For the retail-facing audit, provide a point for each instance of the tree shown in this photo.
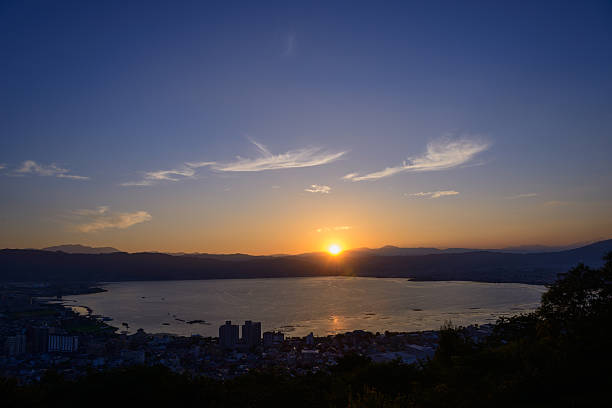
(580, 299)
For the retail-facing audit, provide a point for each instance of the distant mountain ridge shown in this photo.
(81, 249)
(387, 250)
(223, 257)
(20, 265)
(390, 250)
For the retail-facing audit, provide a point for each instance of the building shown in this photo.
(16, 345)
(271, 339)
(62, 343)
(251, 334)
(38, 339)
(228, 335)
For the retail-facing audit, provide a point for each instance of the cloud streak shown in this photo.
(433, 194)
(305, 157)
(152, 177)
(317, 188)
(50, 170)
(525, 195)
(102, 218)
(440, 155)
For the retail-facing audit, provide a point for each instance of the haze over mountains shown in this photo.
(487, 266)
(387, 250)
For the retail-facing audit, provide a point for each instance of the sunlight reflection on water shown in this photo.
(298, 306)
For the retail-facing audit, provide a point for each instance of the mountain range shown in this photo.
(388, 250)
(19, 265)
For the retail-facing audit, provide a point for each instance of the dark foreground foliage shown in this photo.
(559, 356)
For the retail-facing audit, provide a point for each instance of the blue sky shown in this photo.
(503, 107)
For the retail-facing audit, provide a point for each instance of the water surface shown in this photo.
(297, 306)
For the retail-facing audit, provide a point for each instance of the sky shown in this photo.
(280, 127)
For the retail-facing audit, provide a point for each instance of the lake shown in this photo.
(297, 306)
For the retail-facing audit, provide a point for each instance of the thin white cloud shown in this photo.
(196, 165)
(50, 170)
(433, 194)
(152, 177)
(525, 195)
(2, 166)
(350, 176)
(139, 183)
(440, 155)
(170, 175)
(338, 228)
(72, 177)
(102, 218)
(317, 188)
(305, 157)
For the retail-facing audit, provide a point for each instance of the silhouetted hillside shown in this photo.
(34, 265)
(81, 249)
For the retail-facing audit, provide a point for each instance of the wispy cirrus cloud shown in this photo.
(524, 195)
(49, 170)
(197, 165)
(305, 157)
(102, 218)
(2, 166)
(152, 177)
(350, 176)
(440, 155)
(338, 228)
(317, 188)
(433, 194)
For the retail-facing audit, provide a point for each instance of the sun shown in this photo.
(334, 249)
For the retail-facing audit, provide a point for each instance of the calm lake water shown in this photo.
(298, 306)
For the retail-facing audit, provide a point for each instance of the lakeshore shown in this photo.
(27, 313)
(298, 306)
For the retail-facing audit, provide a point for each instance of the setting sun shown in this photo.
(334, 249)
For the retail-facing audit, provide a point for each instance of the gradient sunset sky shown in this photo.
(272, 127)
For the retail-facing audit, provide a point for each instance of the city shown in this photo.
(39, 335)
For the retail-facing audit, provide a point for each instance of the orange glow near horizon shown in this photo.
(334, 249)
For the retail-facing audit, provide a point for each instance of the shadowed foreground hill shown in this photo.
(33, 265)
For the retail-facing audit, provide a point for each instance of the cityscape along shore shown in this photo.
(40, 334)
